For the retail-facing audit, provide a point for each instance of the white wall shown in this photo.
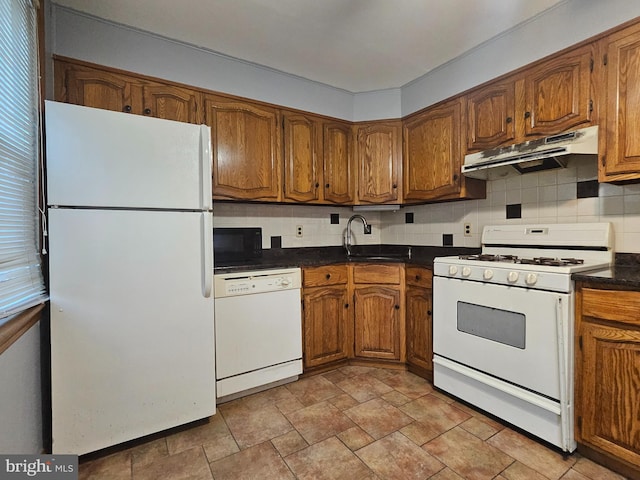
(20, 404)
(567, 24)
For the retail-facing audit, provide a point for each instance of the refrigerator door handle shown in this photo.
(206, 160)
(206, 226)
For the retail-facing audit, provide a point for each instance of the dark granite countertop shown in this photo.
(624, 273)
(317, 256)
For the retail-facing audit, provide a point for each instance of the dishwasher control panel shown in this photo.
(254, 282)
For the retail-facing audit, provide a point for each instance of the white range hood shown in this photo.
(533, 156)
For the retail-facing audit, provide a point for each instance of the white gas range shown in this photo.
(503, 322)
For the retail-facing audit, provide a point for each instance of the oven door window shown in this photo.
(502, 326)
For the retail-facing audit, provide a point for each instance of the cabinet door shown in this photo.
(302, 152)
(98, 89)
(326, 316)
(610, 392)
(377, 322)
(338, 162)
(622, 160)
(378, 160)
(490, 116)
(246, 149)
(558, 93)
(432, 153)
(419, 327)
(172, 103)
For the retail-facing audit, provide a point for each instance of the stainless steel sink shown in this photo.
(379, 257)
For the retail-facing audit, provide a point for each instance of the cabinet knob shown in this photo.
(147, 111)
(346, 305)
(509, 119)
(527, 114)
(429, 312)
(127, 108)
(328, 275)
(417, 277)
(394, 185)
(326, 185)
(397, 307)
(317, 184)
(455, 177)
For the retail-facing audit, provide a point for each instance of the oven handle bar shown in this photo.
(507, 388)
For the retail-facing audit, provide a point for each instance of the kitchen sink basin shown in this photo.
(378, 256)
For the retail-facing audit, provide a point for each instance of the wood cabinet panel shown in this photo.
(172, 103)
(432, 153)
(418, 276)
(325, 275)
(558, 93)
(302, 157)
(326, 320)
(379, 165)
(607, 388)
(338, 151)
(622, 156)
(419, 327)
(378, 273)
(377, 322)
(246, 149)
(491, 113)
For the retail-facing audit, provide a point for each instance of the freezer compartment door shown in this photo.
(100, 158)
(132, 332)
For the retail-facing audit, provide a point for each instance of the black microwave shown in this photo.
(236, 245)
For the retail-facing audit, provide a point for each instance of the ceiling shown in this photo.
(355, 45)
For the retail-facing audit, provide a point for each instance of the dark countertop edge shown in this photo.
(624, 273)
(317, 256)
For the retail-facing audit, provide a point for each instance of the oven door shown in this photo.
(516, 334)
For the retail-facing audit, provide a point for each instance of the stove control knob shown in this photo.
(466, 271)
(512, 277)
(531, 279)
(488, 274)
(453, 269)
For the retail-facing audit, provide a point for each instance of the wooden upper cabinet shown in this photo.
(338, 172)
(622, 154)
(491, 113)
(109, 90)
(246, 149)
(302, 157)
(378, 147)
(172, 103)
(432, 153)
(97, 88)
(558, 93)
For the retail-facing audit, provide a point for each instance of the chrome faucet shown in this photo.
(347, 235)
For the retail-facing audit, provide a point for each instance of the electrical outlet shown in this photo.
(299, 231)
(467, 229)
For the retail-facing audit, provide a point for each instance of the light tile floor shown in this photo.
(351, 423)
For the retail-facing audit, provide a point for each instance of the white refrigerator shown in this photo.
(131, 275)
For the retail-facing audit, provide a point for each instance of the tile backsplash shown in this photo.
(565, 195)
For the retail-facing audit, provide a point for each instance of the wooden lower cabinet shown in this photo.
(378, 311)
(353, 312)
(419, 320)
(608, 376)
(326, 315)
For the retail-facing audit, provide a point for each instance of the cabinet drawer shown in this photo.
(377, 273)
(325, 275)
(419, 277)
(615, 305)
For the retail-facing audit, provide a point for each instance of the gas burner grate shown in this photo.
(487, 257)
(550, 261)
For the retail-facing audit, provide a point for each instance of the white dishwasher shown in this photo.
(258, 329)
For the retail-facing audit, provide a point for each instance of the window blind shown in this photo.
(21, 280)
